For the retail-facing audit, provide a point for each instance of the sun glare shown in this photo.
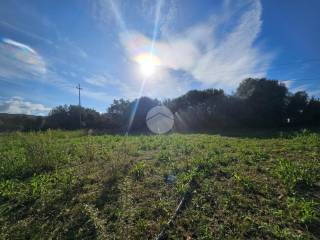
(148, 64)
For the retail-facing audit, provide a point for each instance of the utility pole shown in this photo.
(79, 88)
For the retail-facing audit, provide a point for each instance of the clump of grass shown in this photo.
(98, 223)
(293, 174)
(246, 182)
(30, 154)
(204, 165)
(183, 181)
(14, 190)
(279, 232)
(164, 156)
(52, 186)
(138, 170)
(305, 211)
(40, 156)
(90, 148)
(13, 163)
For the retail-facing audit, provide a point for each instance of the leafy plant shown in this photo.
(138, 170)
(293, 174)
(307, 211)
(246, 182)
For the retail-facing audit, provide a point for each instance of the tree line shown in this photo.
(256, 103)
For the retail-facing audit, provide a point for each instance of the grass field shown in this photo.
(68, 185)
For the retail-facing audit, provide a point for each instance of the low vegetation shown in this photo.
(70, 185)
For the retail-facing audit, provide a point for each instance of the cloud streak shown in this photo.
(30, 34)
(20, 61)
(102, 80)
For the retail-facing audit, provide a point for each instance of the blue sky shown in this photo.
(48, 47)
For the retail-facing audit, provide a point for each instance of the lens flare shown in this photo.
(148, 64)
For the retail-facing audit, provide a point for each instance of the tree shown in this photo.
(131, 115)
(67, 117)
(296, 108)
(198, 110)
(312, 113)
(139, 109)
(266, 100)
(119, 113)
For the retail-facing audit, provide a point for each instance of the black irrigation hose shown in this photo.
(193, 184)
(183, 202)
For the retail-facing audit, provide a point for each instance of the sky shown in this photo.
(158, 48)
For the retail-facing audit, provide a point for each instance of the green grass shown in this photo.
(68, 185)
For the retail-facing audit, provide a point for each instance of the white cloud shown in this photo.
(18, 106)
(234, 57)
(213, 57)
(18, 45)
(65, 44)
(288, 83)
(162, 12)
(165, 85)
(102, 80)
(219, 52)
(106, 81)
(294, 87)
(161, 85)
(303, 87)
(20, 61)
(100, 96)
(97, 80)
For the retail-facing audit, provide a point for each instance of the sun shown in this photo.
(148, 64)
(147, 69)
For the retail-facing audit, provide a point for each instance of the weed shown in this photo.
(138, 170)
(246, 182)
(293, 174)
(164, 156)
(305, 211)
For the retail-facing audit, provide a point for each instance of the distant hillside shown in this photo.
(14, 115)
(22, 122)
